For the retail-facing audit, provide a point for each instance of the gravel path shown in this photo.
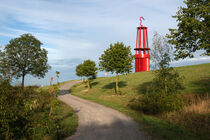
(97, 122)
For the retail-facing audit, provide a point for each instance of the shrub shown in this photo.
(155, 103)
(135, 104)
(25, 115)
(15, 113)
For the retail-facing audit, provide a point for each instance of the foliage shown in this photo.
(193, 29)
(25, 55)
(79, 70)
(118, 58)
(160, 48)
(56, 89)
(53, 101)
(90, 70)
(194, 116)
(57, 75)
(15, 113)
(25, 116)
(155, 103)
(5, 73)
(87, 68)
(166, 80)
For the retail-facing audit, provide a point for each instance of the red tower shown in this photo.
(142, 57)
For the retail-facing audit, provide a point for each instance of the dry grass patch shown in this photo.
(202, 106)
(195, 117)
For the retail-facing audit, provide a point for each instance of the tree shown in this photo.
(193, 29)
(166, 80)
(160, 48)
(57, 75)
(25, 55)
(5, 73)
(117, 59)
(80, 71)
(89, 69)
(162, 95)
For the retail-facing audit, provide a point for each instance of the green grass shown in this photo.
(196, 81)
(68, 119)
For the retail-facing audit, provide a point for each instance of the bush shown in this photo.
(15, 113)
(25, 115)
(155, 103)
(167, 81)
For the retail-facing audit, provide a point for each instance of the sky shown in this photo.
(75, 30)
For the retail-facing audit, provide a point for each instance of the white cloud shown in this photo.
(83, 29)
(191, 61)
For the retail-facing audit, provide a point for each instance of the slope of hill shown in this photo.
(196, 82)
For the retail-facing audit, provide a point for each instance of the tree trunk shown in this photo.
(7, 133)
(165, 86)
(88, 83)
(23, 78)
(83, 79)
(117, 79)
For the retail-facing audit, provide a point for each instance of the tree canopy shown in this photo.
(87, 68)
(193, 29)
(117, 59)
(25, 55)
(160, 48)
(79, 70)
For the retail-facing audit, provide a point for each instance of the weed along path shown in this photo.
(97, 122)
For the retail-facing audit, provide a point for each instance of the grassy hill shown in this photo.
(132, 86)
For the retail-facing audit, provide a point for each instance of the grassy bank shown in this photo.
(33, 114)
(62, 124)
(132, 86)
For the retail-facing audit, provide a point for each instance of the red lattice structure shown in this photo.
(142, 57)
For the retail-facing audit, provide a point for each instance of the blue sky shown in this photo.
(75, 30)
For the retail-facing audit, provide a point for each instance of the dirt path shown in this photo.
(97, 122)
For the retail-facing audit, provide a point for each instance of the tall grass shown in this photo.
(195, 117)
(199, 106)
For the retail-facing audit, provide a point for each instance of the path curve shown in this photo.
(97, 122)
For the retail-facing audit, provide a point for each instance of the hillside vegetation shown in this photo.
(190, 123)
(26, 115)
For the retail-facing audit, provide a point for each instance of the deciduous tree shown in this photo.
(166, 80)
(80, 71)
(25, 55)
(89, 70)
(57, 75)
(117, 59)
(160, 47)
(193, 29)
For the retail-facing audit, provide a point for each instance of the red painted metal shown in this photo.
(142, 57)
(141, 20)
